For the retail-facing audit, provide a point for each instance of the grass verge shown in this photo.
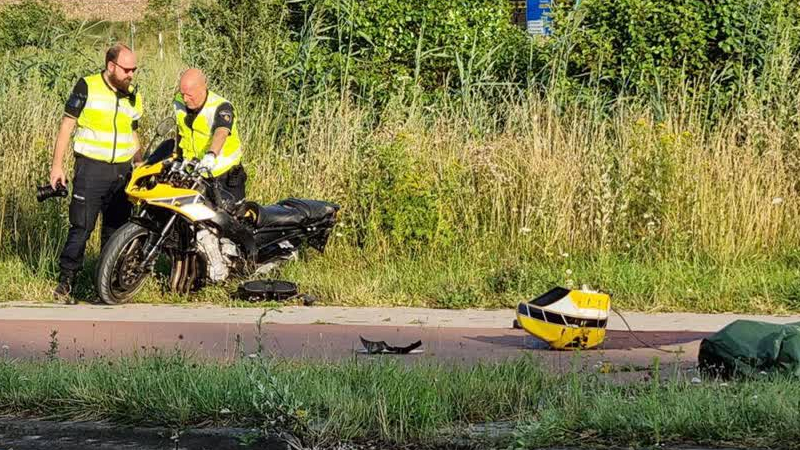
(387, 401)
(346, 277)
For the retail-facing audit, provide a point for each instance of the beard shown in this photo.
(120, 84)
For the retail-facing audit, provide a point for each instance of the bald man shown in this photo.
(106, 111)
(207, 130)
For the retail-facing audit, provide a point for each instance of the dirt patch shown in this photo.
(111, 10)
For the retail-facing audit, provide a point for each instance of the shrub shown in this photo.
(642, 45)
(31, 23)
(364, 47)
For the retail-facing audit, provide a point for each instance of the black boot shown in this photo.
(64, 288)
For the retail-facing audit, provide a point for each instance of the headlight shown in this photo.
(147, 183)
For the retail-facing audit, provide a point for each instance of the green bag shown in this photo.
(747, 347)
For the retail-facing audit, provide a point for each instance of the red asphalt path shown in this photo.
(87, 339)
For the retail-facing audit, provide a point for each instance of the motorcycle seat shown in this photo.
(315, 210)
(291, 212)
(278, 216)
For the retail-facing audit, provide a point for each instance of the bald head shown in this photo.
(194, 88)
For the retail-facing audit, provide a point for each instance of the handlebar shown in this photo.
(181, 171)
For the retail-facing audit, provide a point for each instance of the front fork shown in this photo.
(185, 270)
(152, 251)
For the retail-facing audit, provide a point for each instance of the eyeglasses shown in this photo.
(126, 69)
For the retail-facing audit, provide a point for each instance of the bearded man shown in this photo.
(106, 112)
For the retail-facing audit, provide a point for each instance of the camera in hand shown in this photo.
(46, 191)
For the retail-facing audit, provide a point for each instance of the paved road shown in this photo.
(333, 333)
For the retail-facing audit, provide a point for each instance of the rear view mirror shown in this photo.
(165, 126)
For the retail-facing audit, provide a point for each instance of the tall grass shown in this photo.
(483, 198)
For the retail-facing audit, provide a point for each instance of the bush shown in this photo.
(364, 47)
(642, 45)
(396, 197)
(31, 23)
(425, 40)
(40, 43)
(378, 48)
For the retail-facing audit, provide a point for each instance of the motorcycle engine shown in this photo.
(218, 252)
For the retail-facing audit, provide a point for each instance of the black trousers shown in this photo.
(98, 188)
(234, 181)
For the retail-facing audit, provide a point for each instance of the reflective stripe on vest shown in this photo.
(196, 141)
(105, 125)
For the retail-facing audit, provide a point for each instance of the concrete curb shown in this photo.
(394, 317)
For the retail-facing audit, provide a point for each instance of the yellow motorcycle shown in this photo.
(181, 212)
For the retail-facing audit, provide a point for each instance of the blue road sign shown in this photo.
(538, 17)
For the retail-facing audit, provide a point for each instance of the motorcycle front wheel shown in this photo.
(119, 272)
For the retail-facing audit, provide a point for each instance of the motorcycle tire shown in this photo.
(116, 282)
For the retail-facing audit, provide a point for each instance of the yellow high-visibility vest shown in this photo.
(105, 126)
(196, 140)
